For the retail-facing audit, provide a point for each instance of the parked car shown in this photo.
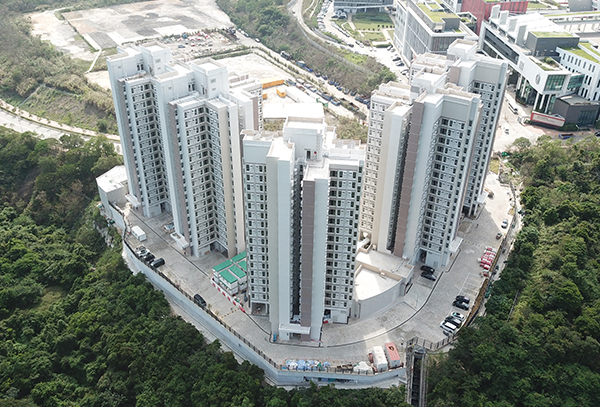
(461, 305)
(457, 315)
(462, 298)
(428, 276)
(199, 300)
(141, 251)
(158, 262)
(453, 320)
(448, 328)
(504, 223)
(148, 257)
(427, 269)
(498, 235)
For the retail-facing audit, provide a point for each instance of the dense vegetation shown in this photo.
(47, 82)
(77, 328)
(270, 20)
(546, 352)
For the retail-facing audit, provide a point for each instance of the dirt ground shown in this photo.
(60, 34)
(112, 26)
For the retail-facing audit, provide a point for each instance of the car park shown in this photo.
(427, 269)
(504, 223)
(461, 305)
(462, 298)
(428, 276)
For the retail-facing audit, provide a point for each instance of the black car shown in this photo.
(158, 262)
(148, 257)
(427, 269)
(453, 320)
(199, 300)
(461, 305)
(462, 298)
(428, 276)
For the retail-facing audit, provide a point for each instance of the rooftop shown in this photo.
(435, 11)
(581, 53)
(551, 34)
(112, 179)
(227, 276)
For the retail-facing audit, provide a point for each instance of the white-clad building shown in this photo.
(428, 149)
(302, 192)
(180, 126)
(583, 59)
(427, 26)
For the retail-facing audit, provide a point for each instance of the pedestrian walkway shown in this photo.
(51, 123)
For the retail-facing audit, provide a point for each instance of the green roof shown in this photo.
(551, 34)
(227, 276)
(595, 57)
(243, 265)
(237, 271)
(435, 16)
(239, 257)
(223, 265)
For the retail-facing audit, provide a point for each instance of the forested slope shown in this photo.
(77, 328)
(547, 352)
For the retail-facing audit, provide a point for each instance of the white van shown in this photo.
(448, 327)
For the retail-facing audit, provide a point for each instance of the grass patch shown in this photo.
(495, 165)
(373, 36)
(50, 295)
(371, 20)
(536, 6)
(355, 58)
(68, 108)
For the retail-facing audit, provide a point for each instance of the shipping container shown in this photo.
(269, 83)
(379, 359)
(547, 120)
(138, 233)
(392, 355)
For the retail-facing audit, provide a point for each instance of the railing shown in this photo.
(432, 346)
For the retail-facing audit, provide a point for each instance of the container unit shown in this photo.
(229, 282)
(269, 83)
(379, 360)
(392, 354)
(242, 279)
(138, 233)
(222, 266)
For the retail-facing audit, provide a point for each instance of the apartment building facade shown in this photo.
(428, 148)
(180, 126)
(302, 203)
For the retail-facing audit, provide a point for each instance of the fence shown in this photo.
(432, 346)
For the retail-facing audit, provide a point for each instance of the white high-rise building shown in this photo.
(302, 197)
(180, 130)
(428, 151)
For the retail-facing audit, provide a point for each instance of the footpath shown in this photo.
(22, 114)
